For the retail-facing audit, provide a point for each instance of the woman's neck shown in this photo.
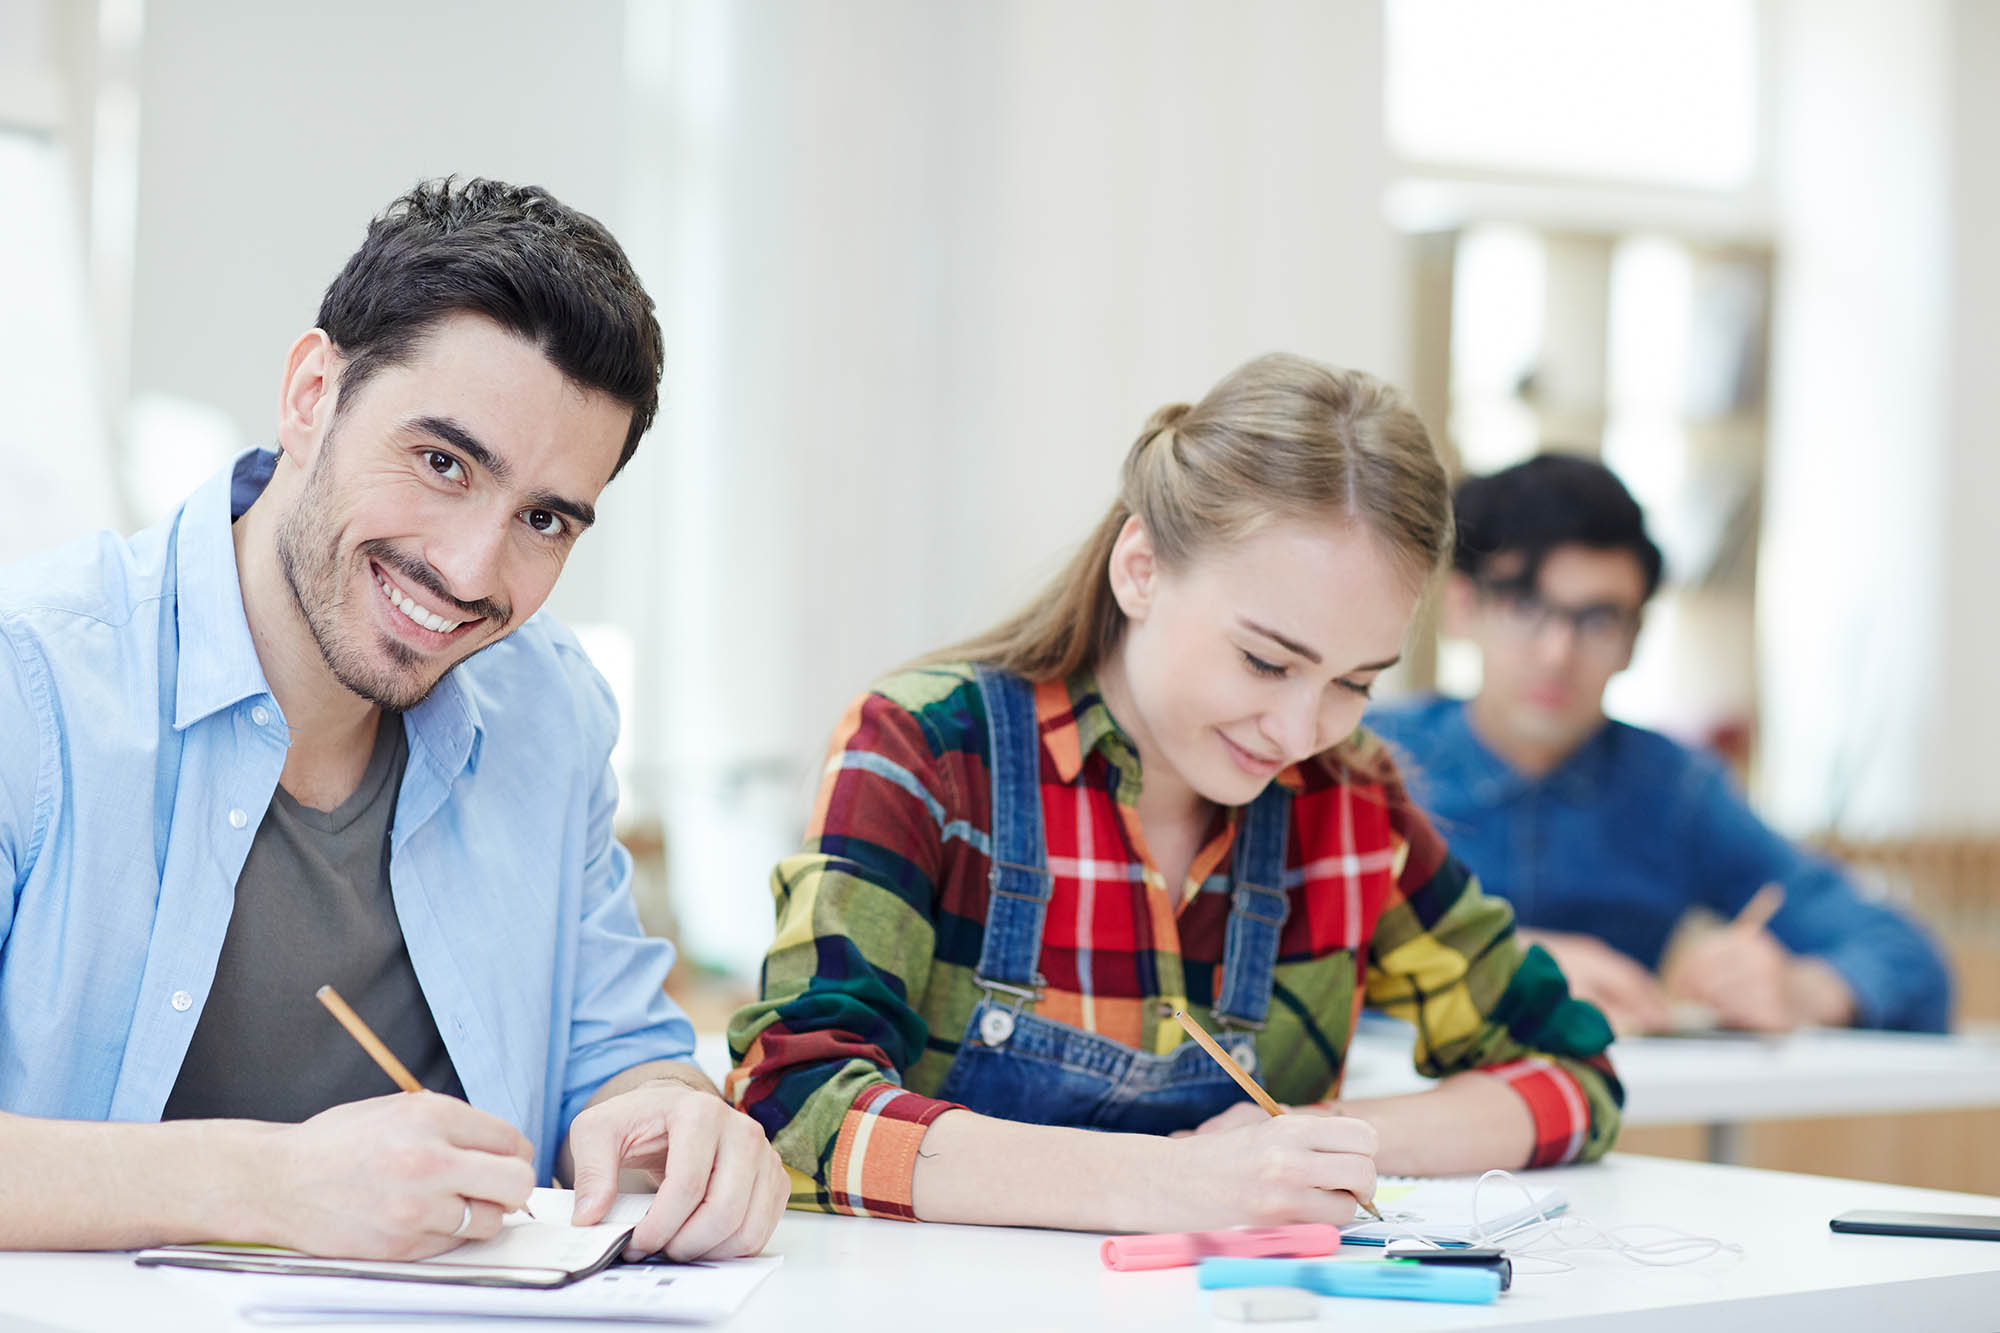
(1165, 798)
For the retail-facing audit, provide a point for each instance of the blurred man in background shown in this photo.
(1604, 835)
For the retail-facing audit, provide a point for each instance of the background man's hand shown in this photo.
(1627, 993)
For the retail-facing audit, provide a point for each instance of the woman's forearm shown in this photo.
(1468, 1122)
(974, 1168)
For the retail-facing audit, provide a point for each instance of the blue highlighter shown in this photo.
(1356, 1277)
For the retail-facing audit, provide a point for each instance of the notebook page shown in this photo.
(542, 1237)
(535, 1247)
(1441, 1208)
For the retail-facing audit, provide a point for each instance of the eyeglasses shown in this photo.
(1601, 628)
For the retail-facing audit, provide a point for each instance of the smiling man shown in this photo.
(312, 730)
(1604, 835)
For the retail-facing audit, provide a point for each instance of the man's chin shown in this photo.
(390, 691)
(1556, 731)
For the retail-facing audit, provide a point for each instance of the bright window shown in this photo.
(1655, 91)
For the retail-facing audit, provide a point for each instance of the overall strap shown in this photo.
(1020, 883)
(1257, 910)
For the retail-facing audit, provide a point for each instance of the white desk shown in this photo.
(1726, 1082)
(844, 1273)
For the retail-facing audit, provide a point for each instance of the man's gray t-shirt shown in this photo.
(312, 907)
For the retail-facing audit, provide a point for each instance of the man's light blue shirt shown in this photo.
(1625, 835)
(139, 747)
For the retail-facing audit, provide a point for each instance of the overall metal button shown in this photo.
(995, 1026)
(1246, 1055)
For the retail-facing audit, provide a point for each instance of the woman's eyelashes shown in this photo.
(1273, 671)
(1260, 666)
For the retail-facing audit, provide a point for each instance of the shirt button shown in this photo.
(182, 1001)
(237, 819)
(260, 715)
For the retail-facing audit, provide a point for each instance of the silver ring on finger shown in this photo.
(464, 1220)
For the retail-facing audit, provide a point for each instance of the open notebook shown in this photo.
(1441, 1209)
(536, 1248)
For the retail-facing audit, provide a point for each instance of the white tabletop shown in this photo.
(844, 1273)
(1682, 1080)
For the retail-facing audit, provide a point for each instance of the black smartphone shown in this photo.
(1950, 1226)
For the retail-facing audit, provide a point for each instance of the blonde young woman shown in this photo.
(1147, 792)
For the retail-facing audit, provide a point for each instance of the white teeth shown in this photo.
(417, 614)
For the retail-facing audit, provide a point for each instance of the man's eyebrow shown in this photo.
(581, 512)
(496, 467)
(463, 440)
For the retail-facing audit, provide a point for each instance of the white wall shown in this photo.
(1966, 725)
(55, 469)
(1877, 640)
(272, 133)
(1848, 586)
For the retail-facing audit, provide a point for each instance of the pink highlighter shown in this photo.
(1307, 1240)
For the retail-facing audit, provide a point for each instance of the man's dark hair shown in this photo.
(519, 257)
(1551, 500)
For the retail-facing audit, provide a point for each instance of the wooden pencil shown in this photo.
(370, 1043)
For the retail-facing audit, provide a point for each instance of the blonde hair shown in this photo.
(1281, 437)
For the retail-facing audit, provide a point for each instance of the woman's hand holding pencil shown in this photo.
(1281, 1155)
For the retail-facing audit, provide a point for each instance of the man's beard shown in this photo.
(308, 541)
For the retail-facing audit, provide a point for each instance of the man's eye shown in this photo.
(546, 522)
(444, 464)
(1603, 621)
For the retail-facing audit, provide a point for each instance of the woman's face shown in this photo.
(1257, 655)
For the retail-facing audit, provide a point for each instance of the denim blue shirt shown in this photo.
(1631, 831)
(139, 747)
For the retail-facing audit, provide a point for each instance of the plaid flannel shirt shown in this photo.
(868, 986)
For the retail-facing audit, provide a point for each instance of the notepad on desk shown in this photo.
(538, 1248)
(1440, 1209)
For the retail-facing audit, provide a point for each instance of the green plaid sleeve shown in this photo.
(1445, 958)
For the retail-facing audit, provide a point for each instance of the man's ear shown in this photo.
(1632, 644)
(1134, 569)
(1461, 606)
(306, 400)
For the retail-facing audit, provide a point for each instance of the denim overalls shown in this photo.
(1018, 1066)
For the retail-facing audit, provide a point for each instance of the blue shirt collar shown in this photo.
(224, 671)
(1493, 780)
(218, 663)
